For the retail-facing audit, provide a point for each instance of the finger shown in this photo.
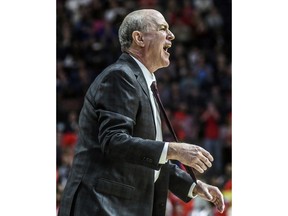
(202, 165)
(219, 195)
(220, 207)
(205, 161)
(219, 203)
(208, 195)
(207, 154)
(198, 168)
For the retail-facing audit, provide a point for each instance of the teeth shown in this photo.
(166, 47)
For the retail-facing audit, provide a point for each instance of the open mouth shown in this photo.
(166, 47)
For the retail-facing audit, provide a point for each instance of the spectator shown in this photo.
(210, 117)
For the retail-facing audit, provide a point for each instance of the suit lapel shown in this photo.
(139, 76)
(137, 72)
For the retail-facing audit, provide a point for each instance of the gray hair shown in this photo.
(134, 21)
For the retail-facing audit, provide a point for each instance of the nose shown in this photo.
(170, 35)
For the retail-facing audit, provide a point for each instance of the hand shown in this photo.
(190, 155)
(210, 193)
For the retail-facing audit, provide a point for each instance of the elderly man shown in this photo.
(122, 165)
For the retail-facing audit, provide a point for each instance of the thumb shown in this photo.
(205, 191)
(208, 195)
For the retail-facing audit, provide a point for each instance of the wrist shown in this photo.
(195, 189)
(172, 150)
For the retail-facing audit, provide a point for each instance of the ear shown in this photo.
(138, 38)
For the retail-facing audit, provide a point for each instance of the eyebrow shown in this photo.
(163, 25)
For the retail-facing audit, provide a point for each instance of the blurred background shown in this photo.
(195, 89)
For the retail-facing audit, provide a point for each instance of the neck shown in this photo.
(142, 58)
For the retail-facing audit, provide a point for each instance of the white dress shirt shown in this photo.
(150, 77)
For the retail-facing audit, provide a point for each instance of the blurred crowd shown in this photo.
(195, 89)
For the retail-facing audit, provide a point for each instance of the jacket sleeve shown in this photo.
(180, 182)
(117, 104)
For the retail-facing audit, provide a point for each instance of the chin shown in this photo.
(166, 63)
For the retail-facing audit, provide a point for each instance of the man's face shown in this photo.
(157, 41)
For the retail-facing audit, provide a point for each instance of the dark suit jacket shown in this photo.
(116, 155)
